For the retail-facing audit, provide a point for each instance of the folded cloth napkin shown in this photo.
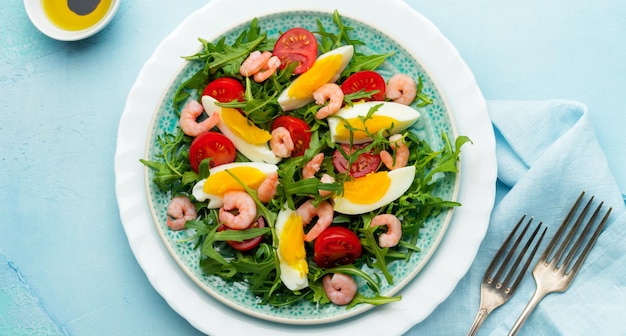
(547, 153)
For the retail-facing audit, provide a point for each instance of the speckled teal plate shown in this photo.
(435, 119)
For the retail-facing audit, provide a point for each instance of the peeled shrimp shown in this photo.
(260, 65)
(394, 230)
(281, 142)
(190, 125)
(268, 69)
(401, 152)
(401, 89)
(267, 189)
(324, 212)
(331, 92)
(244, 206)
(179, 211)
(340, 288)
(312, 167)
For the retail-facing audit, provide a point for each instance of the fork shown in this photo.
(552, 274)
(496, 289)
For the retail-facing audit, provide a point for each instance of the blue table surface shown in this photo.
(65, 263)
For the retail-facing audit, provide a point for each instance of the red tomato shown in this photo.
(364, 164)
(248, 244)
(224, 90)
(365, 80)
(336, 245)
(211, 145)
(299, 130)
(296, 45)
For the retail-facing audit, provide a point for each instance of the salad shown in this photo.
(295, 169)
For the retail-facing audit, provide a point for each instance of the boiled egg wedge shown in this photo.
(326, 69)
(372, 191)
(249, 139)
(291, 252)
(389, 116)
(213, 188)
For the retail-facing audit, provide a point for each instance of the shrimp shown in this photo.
(401, 89)
(394, 230)
(179, 211)
(267, 189)
(401, 153)
(331, 92)
(190, 125)
(313, 167)
(340, 288)
(268, 69)
(254, 63)
(281, 142)
(245, 210)
(324, 212)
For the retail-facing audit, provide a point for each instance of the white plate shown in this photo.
(444, 66)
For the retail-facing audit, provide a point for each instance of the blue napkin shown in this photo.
(547, 153)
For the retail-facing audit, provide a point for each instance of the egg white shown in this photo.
(215, 201)
(290, 276)
(254, 152)
(288, 102)
(401, 180)
(404, 115)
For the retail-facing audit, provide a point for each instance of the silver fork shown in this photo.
(554, 274)
(496, 289)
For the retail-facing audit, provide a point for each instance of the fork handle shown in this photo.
(530, 307)
(478, 321)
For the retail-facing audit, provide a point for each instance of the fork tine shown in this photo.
(529, 259)
(560, 231)
(488, 277)
(570, 235)
(593, 239)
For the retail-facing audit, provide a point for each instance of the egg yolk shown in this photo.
(221, 182)
(243, 128)
(291, 245)
(367, 189)
(76, 14)
(320, 73)
(373, 125)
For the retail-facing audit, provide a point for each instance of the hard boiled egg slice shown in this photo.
(291, 253)
(392, 116)
(372, 191)
(249, 139)
(213, 188)
(326, 69)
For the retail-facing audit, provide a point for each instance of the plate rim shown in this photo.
(139, 239)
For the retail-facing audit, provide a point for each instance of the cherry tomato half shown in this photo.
(336, 245)
(296, 45)
(364, 164)
(299, 130)
(211, 145)
(247, 244)
(366, 80)
(224, 90)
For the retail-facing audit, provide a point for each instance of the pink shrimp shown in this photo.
(244, 206)
(324, 212)
(268, 69)
(401, 152)
(281, 142)
(312, 167)
(254, 63)
(179, 211)
(401, 89)
(331, 92)
(394, 230)
(326, 179)
(340, 288)
(188, 119)
(267, 189)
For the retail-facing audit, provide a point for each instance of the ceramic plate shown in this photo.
(430, 56)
